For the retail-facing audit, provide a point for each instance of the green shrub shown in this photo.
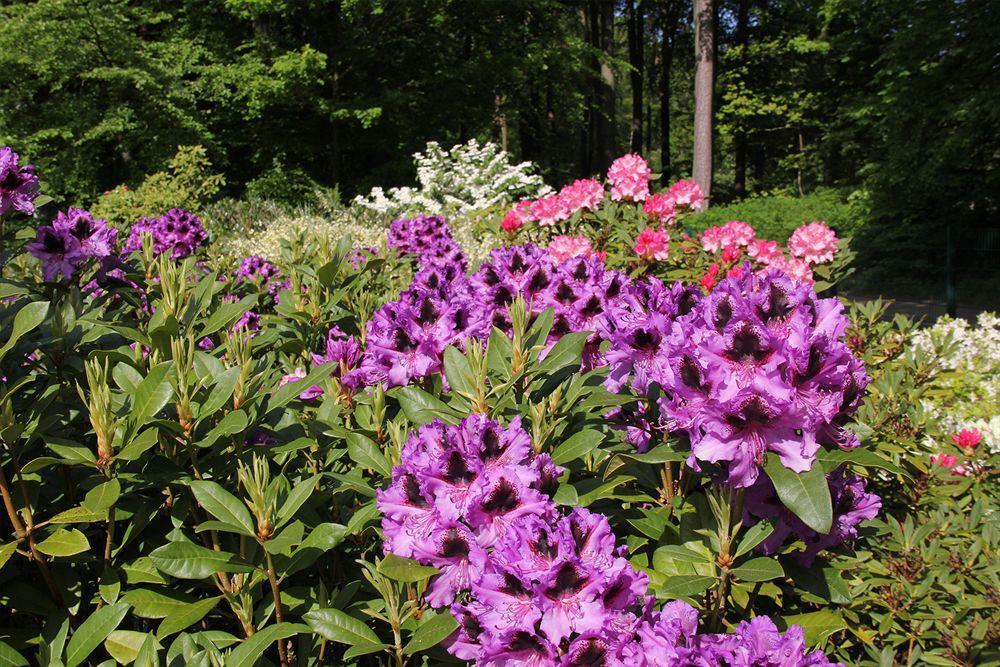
(776, 216)
(188, 183)
(288, 186)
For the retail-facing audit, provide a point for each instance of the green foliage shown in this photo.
(776, 216)
(189, 183)
(287, 186)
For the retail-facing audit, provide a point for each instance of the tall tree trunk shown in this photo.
(740, 137)
(704, 53)
(667, 47)
(334, 60)
(636, 59)
(607, 144)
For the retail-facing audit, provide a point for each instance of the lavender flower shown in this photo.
(18, 184)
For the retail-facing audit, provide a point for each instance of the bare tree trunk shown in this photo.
(607, 148)
(740, 138)
(501, 118)
(667, 47)
(704, 53)
(636, 58)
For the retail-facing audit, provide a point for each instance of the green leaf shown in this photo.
(660, 454)
(676, 552)
(156, 603)
(94, 630)
(9, 657)
(234, 422)
(29, 317)
(152, 394)
(361, 517)
(421, 407)
(818, 625)
(184, 560)
(79, 515)
(499, 353)
(148, 652)
(6, 551)
(459, 372)
(367, 454)
(806, 494)
(323, 537)
(576, 446)
(860, 456)
(405, 569)
(224, 506)
(103, 496)
(124, 645)
(185, 617)
(64, 543)
(686, 585)
(431, 632)
(565, 353)
(285, 394)
(759, 569)
(247, 653)
(336, 626)
(226, 314)
(295, 499)
(225, 384)
(756, 534)
(139, 445)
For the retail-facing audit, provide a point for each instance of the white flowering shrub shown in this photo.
(969, 356)
(468, 177)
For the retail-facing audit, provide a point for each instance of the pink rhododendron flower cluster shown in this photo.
(733, 233)
(584, 193)
(950, 462)
(764, 252)
(661, 207)
(687, 195)
(629, 176)
(814, 242)
(967, 438)
(652, 244)
(565, 247)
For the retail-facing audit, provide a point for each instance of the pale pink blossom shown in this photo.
(629, 176)
(764, 252)
(565, 247)
(660, 207)
(584, 193)
(797, 269)
(549, 210)
(712, 239)
(738, 233)
(652, 244)
(814, 242)
(687, 195)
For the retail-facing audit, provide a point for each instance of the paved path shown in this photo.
(928, 310)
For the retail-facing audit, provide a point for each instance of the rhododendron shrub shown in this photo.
(601, 445)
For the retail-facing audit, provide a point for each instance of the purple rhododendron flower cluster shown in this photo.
(73, 238)
(178, 232)
(852, 504)
(345, 351)
(18, 184)
(257, 269)
(428, 238)
(757, 366)
(528, 584)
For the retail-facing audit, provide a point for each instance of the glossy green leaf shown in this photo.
(431, 632)
(94, 629)
(336, 626)
(190, 561)
(405, 569)
(806, 494)
(223, 505)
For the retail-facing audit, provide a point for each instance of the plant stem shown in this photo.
(273, 579)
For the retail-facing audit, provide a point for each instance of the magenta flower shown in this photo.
(687, 195)
(582, 194)
(661, 208)
(629, 177)
(307, 394)
(18, 184)
(652, 244)
(967, 438)
(178, 232)
(549, 210)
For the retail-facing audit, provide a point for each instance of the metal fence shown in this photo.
(970, 249)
